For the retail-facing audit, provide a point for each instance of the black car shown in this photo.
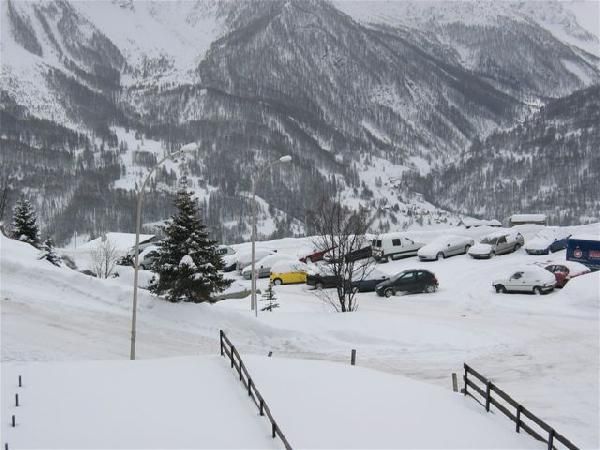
(355, 255)
(362, 284)
(409, 281)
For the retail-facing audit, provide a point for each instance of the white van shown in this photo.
(394, 246)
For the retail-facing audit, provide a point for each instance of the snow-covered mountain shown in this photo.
(361, 94)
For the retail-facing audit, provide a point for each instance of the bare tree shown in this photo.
(342, 233)
(104, 258)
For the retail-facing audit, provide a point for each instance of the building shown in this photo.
(527, 219)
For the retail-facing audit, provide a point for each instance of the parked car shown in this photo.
(393, 246)
(548, 240)
(245, 258)
(498, 243)
(147, 257)
(363, 283)
(565, 270)
(263, 266)
(288, 272)
(527, 279)
(369, 282)
(355, 255)
(408, 281)
(316, 255)
(228, 256)
(445, 246)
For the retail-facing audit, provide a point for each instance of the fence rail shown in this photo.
(229, 350)
(486, 393)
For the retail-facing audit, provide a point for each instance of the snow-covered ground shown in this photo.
(198, 402)
(543, 350)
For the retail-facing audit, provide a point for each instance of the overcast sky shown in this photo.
(588, 14)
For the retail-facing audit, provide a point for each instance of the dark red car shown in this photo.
(563, 274)
(316, 256)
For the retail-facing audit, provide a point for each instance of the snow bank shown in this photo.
(583, 292)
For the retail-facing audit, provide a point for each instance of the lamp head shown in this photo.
(285, 159)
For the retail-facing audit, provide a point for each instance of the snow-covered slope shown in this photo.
(161, 41)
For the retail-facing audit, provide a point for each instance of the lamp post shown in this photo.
(186, 148)
(283, 159)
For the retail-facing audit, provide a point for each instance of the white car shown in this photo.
(147, 257)
(548, 240)
(532, 279)
(445, 246)
(228, 256)
(263, 266)
(393, 246)
(244, 259)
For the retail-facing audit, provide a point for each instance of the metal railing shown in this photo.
(229, 350)
(487, 400)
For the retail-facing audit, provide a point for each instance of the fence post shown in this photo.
(353, 357)
(221, 340)
(273, 429)
(16, 399)
(454, 382)
(270, 354)
(231, 350)
(551, 439)
(465, 379)
(488, 394)
(519, 408)
(261, 407)
(13, 421)
(249, 386)
(20, 385)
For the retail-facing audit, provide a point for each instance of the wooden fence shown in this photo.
(487, 399)
(229, 350)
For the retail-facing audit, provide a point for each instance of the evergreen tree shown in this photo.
(49, 254)
(24, 224)
(269, 296)
(188, 264)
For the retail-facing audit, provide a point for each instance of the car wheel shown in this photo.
(440, 255)
(467, 247)
(430, 289)
(388, 292)
(492, 253)
(537, 290)
(277, 282)
(500, 289)
(319, 286)
(517, 247)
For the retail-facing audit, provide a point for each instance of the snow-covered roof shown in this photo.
(470, 222)
(528, 218)
(122, 241)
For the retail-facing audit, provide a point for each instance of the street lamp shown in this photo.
(186, 148)
(283, 159)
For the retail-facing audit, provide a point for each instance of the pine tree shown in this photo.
(49, 254)
(269, 296)
(188, 264)
(24, 224)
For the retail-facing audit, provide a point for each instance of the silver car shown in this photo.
(498, 243)
(445, 246)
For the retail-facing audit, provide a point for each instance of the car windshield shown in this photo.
(400, 275)
(489, 240)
